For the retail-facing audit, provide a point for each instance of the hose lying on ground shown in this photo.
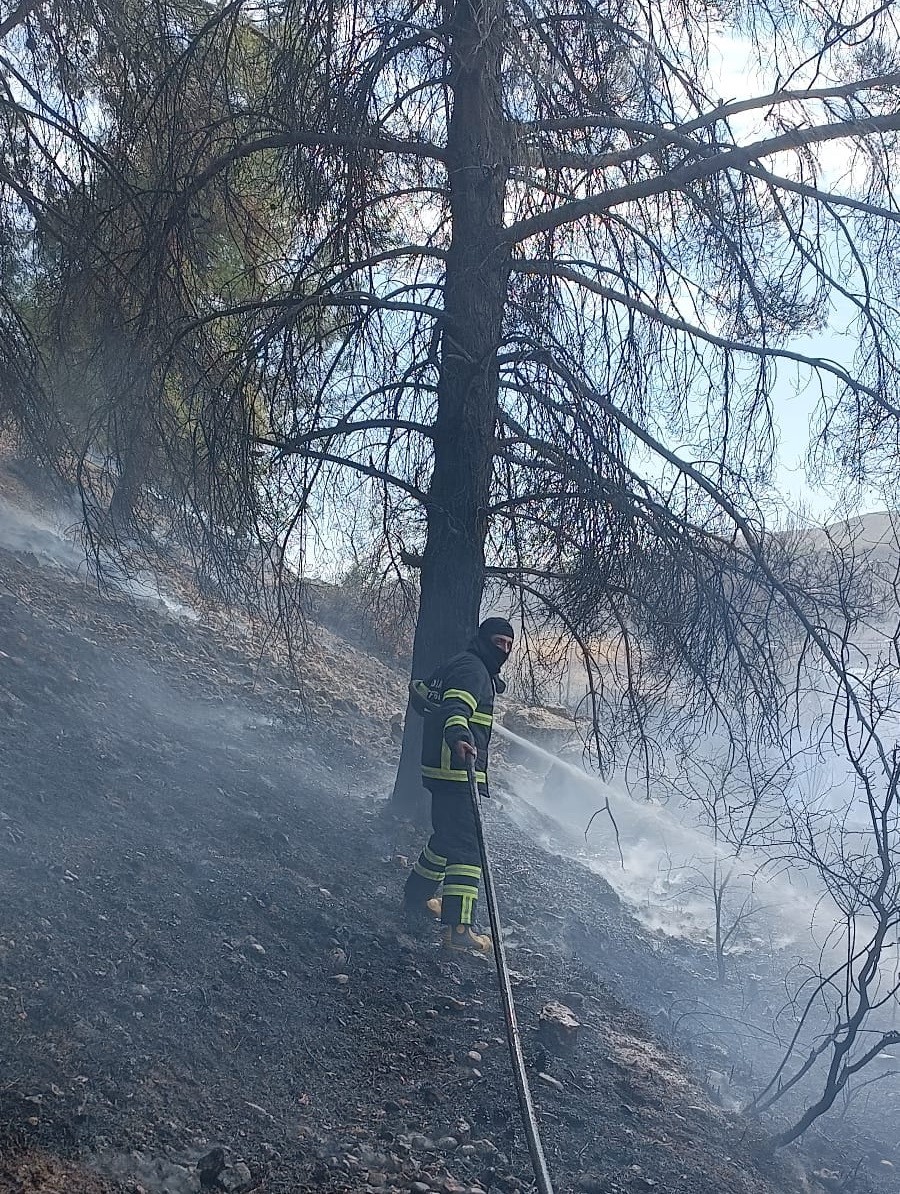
(523, 1092)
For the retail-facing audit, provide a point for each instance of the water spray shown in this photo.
(652, 820)
(652, 829)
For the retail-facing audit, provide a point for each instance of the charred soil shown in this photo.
(204, 980)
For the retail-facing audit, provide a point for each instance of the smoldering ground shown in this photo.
(200, 946)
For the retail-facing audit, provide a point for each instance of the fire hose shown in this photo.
(513, 1037)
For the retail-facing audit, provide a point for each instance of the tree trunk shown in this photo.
(452, 578)
(127, 491)
(128, 379)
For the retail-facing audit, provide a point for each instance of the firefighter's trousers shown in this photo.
(451, 856)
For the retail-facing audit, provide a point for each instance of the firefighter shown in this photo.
(458, 729)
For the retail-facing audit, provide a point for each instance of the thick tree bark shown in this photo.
(130, 482)
(452, 576)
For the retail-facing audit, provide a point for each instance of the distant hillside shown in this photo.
(875, 536)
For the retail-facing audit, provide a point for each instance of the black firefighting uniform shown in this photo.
(451, 856)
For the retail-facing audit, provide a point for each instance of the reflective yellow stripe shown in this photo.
(460, 694)
(467, 910)
(457, 720)
(435, 858)
(451, 773)
(461, 889)
(467, 872)
(435, 876)
(481, 719)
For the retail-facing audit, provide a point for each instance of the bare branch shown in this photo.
(565, 273)
(681, 177)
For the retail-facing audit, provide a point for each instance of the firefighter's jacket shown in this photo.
(466, 712)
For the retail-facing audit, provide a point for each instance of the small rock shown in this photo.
(375, 1178)
(468, 1150)
(450, 1004)
(338, 959)
(419, 1188)
(550, 1081)
(211, 1165)
(342, 979)
(558, 1028)
(236, 1178)
(447, 1144)
(372, 1159)
(592, 1183)
(473, 1056)
(829, 1179)
(485, 1148)
(463, 1129)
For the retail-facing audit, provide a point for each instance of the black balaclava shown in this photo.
(493, 657)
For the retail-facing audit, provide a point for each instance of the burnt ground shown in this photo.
(200, 950)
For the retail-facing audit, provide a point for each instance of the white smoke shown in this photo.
(51, 538)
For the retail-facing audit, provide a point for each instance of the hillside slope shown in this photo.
(204, 983)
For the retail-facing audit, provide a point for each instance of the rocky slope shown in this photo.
(204, 982)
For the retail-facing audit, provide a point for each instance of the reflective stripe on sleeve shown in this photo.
(460, 694)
